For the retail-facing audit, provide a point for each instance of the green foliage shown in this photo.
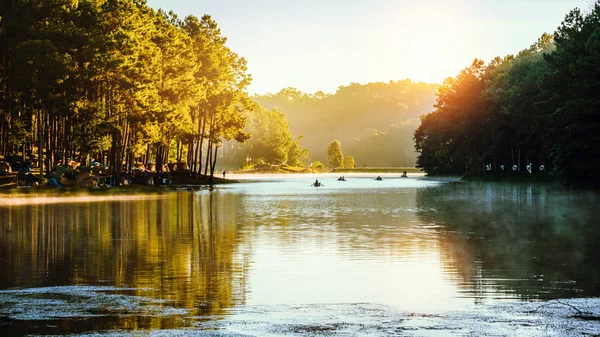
(539, 107)
(273, 138)
(270, 142)
(296, 154)
(348, 162)
(318, 165)
(334, 154)
(117, 81)
(218, 115)
(352, 114)
(450, 138)
(573, 110)
(392, 147)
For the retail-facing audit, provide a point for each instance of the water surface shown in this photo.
(184, 260)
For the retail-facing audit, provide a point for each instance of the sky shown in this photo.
(315, 45)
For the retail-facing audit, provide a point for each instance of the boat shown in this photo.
(317, 184)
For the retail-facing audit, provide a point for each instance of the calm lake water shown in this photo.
(182, 260)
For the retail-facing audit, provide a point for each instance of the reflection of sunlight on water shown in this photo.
(275, 186)
(395, 246)
(357, 241)
(9, 200)
(407, 276)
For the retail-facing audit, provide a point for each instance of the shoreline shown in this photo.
(554, 317)
(183, 181)
(298, 170)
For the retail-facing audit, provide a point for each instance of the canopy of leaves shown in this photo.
(110, 79)
(273, 136)
(537, 109)
(270, 141)
(348, 162)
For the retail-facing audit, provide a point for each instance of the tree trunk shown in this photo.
(494, 148)
(208, 156)
(214, 162)
(201, 143)
(512, 154)
(158, 161)
(49, 156)
(211, 131)
(114, 158)
(147, 156)
(178, 158)
(40, 144)
(166, 153)
(190, 146)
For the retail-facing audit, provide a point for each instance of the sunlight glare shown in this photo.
(430, 44)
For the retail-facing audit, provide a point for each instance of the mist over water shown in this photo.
(413, 245)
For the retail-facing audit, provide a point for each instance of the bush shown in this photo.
(318, 165)
(349, 162)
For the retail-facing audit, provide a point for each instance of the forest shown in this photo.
(537, 112)
(271, 143)
(118, 83)
(122, 84)
(374, 122)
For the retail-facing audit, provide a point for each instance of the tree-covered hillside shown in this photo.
(372, 121)
(270, 142)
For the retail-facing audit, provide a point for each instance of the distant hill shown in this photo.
(374, 122)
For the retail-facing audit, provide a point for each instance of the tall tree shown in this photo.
(524, 113)
(296, 154)
(117, 82)
(334, 153)
(574, 106)
(219, 112)
(348, 162)
(175, 84)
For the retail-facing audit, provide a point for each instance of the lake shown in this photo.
(275, 256)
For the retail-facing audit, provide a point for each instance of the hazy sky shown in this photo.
(321, 44)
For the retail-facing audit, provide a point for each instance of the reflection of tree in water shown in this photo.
(180, 249)
(534, 241)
